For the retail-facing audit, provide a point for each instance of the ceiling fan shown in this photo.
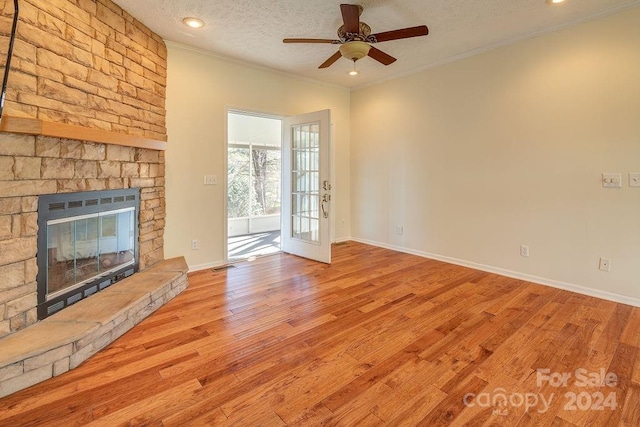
(355, 38)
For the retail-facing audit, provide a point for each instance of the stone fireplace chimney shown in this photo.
(85, 110)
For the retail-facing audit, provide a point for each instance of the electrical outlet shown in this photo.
(634, 179)
(612, 180)
(399, 230)
(524, 250)
(605, 264)
(194, 245)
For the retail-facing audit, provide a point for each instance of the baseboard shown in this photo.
(205, 266)
(343, 239)
(513, 274)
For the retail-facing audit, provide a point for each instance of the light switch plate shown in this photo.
(612, 180)
(634, 179)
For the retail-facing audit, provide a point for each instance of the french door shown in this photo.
(306, 186)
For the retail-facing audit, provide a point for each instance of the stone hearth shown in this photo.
(65, 340)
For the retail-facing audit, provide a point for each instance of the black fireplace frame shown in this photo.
(67, 205)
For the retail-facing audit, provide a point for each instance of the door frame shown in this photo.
(225, 183)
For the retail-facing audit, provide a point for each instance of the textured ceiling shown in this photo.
(252, 30)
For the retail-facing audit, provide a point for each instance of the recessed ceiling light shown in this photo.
(554, 1)
(193, 22)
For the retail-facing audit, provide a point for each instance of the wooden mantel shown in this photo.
(62, 130)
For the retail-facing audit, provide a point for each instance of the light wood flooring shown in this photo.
(377, 338)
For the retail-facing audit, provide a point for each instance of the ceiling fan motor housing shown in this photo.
(365, 31)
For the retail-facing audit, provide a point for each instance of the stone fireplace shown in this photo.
(84, 115)
(84, 112)
(44, 165)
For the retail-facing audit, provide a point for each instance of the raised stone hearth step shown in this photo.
(63, 341)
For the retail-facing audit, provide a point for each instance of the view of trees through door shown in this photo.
(253, 185)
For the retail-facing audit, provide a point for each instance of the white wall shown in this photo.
(200, 87)
(505, 148)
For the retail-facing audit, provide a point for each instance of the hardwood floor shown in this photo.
(377, 338)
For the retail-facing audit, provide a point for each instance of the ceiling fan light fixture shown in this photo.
(355, 50)
(354, 38)
(193, 22)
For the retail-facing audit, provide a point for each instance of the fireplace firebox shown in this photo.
(86, 242)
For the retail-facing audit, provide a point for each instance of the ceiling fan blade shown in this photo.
(351, 18)
(403, 33)
(311, 41)
(381, 57)
(331, 60)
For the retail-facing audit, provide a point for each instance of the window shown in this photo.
(254, 180)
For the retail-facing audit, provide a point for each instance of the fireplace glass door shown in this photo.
(82, 248)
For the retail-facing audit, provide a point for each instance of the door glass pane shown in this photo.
(314, 229)
(305, 197)
(314, 136)
(296, 229)
(314, 159)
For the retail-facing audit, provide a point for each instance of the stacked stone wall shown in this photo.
(85, 63)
